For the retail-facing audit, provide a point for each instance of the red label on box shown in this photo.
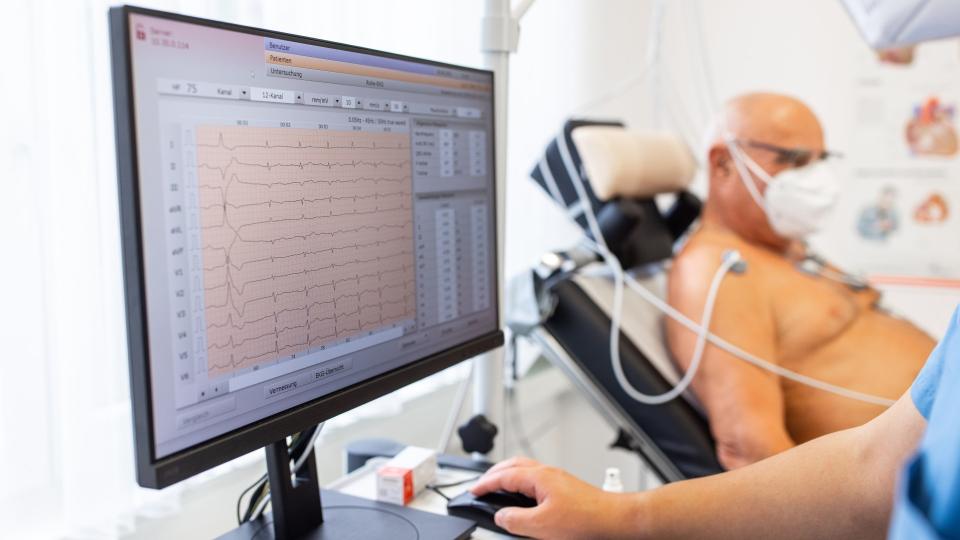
(406, 475)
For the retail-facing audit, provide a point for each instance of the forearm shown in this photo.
(830, 487)
(838, 486)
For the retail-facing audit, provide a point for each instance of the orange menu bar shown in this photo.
(307, 62)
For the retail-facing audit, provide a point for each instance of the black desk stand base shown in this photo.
(298, 513)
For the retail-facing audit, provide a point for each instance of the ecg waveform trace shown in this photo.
(307, 239)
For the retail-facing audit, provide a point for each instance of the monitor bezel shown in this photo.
(156, 472)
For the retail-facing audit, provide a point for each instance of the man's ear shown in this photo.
(720, 161)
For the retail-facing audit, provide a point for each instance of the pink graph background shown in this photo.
(307, 239)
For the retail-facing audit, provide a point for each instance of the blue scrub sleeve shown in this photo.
(928, 498)
(923, 391)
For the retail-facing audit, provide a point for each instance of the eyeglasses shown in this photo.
(794, 157)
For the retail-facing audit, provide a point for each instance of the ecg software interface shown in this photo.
(311, 216)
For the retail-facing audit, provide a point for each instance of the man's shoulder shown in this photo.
(713, 243)
(704, 251)
(694, 266)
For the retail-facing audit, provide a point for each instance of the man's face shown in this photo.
(789, 136)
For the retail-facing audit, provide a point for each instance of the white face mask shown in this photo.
(797, 201)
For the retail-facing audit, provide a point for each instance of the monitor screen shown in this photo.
(311, 216)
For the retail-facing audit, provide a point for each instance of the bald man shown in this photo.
(807, 323)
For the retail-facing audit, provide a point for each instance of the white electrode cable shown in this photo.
(813, 266)
(258, 511)
(730, 259)
(600, 246)
(709, 87)
(307, 452)
(451, 423)
(611, 260)
(724, 345)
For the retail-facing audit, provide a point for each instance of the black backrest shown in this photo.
(559, 162)
(634, 229)
(638, 233)
(679, 431)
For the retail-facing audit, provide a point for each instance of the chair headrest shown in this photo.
(631, 163)
(620, 171)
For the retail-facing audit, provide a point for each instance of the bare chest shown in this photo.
(811, 311)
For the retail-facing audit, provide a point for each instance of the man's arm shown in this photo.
(838, 486)
(743, 402)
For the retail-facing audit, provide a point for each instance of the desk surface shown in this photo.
(363, 483)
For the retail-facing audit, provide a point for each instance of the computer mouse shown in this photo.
(481, 509)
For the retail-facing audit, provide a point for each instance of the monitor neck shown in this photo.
(295, 500)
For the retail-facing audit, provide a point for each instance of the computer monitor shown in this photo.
(306, 226)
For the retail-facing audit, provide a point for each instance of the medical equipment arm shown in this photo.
(744, 403)
(838, 486)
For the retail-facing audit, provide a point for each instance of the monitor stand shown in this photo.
(298, 513)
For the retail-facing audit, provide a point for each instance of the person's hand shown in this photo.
(567, 507)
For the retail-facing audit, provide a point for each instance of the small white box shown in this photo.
(406, 475)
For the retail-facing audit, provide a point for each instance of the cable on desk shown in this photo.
(450, 426)
(300, 447)
(438, 492)
(243, 494)
(454, 484)
(512, 423)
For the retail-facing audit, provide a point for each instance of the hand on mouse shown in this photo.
(567, 507)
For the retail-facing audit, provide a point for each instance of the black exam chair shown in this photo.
(574, 297)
